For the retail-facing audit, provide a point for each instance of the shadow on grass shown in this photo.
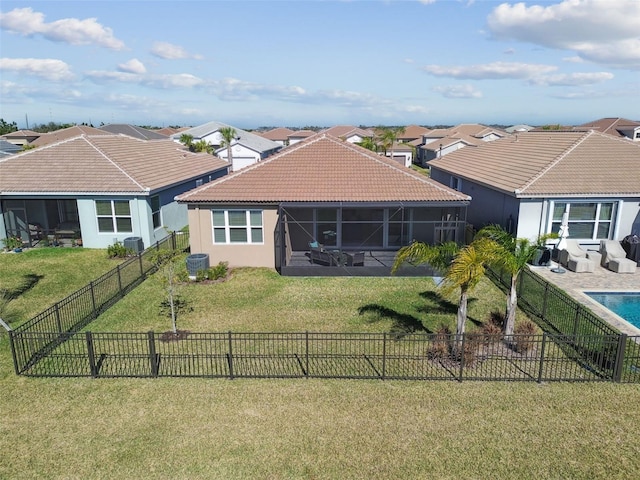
(436, 304)
(403, 324)
(28, 282)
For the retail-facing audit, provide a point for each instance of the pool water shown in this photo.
(623, 304)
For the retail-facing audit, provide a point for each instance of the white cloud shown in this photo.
(458, 91)
(600, 31)
(164, 81)
(169, 51)
(495, 70)
(572, 79)
(25, 21)
(574, 59)
(47, 68)
(132, 66)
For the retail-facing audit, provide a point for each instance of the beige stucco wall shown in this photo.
(201, 238)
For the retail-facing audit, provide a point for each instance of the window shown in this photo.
(114, 216)
(456, 183)
(155, 211)
(237, 226)
(589, 220)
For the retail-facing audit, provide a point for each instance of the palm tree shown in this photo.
(388, 137)
(202, 146)
(512, 254)
(369, 143)
(463, 269)
(228, 136)
(186, 140)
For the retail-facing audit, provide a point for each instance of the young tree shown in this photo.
(463, 268)
(369, 143)
(165, 261)
(387, 137)
(186, 140)
(228, 137)
(511, 254)
(202, 146)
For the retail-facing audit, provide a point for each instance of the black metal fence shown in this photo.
(47, 330)
(332, 355)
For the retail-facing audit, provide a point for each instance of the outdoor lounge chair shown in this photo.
(615, 258)
(577, 259)
(355, 259)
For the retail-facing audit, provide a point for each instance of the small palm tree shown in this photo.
(387, 138)
(202, 146)
(369, 143)
(228, 136)
(511, 254)
(186, 140)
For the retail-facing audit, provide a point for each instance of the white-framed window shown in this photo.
(587, 220)
(114, 216)
(154, 202)
(237, 226)
(456, 183)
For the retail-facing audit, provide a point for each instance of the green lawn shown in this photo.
(299, 429)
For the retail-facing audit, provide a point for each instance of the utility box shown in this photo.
(135, 244)
(197, 262)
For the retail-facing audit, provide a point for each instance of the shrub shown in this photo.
(118, 250)
(524, 338)
(492, 328)
(201, 275)
(470, 351)
(441, 345)
(219, 271)
(12, 242)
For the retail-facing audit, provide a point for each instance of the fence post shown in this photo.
(119, 281)
(544, 300)
(153, 357)
(93, 300)
(461, 355)
(306, 353)
(13, 352)
(542, 349)
(91, 354)
(58, 322)
(575, 321)
(384, 355)
(173, 240)
(140, 262)
(230, 356)
(619, 366)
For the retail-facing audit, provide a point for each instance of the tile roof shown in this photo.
(533, 164)
(343, 131)
(21, 134)
(413, 132)
(280, 133)
(64, 133)
(302, 134)
(324, 169)
(103, 164)
(611, 126)
(133, 131)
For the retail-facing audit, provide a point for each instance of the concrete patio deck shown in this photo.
(602, 280)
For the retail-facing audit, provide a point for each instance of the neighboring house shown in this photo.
(326, 190)
(349, 133)
(247, 148)
(279, 135)
(65, 133)
(402, 153)
(441, 141)
(7, 149)
(412, 133)
(300, 135)
(526, 182)
(168, 131)
(21, 137)
(618, 127)
(102, 188)
(519, 128)
(133, 131)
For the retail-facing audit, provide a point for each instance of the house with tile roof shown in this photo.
(526, 182)
(618, 127)
(412, 132)
(65, 133)
(247, 148)
(299, 136)
(324, 190)
(442, 141)
(21, 137)
(103, 188)
(133, 131)
(279, 135)
(349, 133)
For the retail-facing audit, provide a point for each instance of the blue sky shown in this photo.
(306, 62)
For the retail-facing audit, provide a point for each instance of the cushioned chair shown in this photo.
(577, 259)
(355, 259)
(615, 258)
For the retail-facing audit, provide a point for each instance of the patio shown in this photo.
(601, 280)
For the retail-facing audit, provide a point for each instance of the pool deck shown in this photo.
(602, 280)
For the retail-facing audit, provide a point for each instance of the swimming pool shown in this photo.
(623, 304)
